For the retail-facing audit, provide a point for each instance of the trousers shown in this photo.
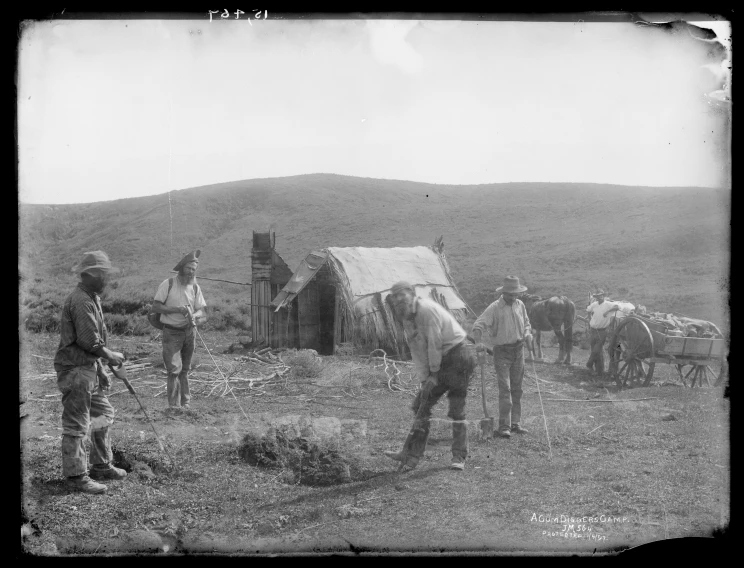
(597, 339)
(178, 348)
(508, 360)
(87, 415)
(454, 377)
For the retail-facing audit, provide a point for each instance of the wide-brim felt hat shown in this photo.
(94, 259)
(193, 256)
(511, 285)
(599, 292)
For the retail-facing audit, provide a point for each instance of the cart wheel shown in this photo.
(721, 375)
(631, 345)
(699, 374)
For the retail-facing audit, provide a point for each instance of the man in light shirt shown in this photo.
(601, 315)
(180, 303)
(444, 365)
(508, 325)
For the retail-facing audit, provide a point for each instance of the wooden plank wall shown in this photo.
(260, 309)
(309, 316)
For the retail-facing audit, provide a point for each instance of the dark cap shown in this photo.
(401, 285)
(191, 257)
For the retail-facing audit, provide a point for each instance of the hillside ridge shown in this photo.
(667, 248)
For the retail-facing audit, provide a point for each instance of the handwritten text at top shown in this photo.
(258, 15)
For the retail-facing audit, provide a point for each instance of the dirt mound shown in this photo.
(132, 465)
(309, 463)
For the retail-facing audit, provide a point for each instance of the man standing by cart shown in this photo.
(601, 315)
(86, 411)
(180, 302)
(444, 364)
(508, 324)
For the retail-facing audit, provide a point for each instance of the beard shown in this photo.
(186, 279)
(403, 310)
(99, 286)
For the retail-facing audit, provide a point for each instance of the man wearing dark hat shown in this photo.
(180, 302)
(508, 325)
(86, 411)
(600, 318)
(444, 365)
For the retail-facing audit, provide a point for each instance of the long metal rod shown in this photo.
(162, 446)
(196, 329)
(545, 421)
(130, 388)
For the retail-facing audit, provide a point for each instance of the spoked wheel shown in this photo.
(700, 373)
(631, 348)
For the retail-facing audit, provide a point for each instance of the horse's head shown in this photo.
(530, 299)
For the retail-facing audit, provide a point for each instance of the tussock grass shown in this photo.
(305, 363)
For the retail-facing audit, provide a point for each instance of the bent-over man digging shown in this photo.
(443, 363)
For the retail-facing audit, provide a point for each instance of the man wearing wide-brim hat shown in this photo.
(508, 327)
(86, 411)
(600, 318)
(180, 303)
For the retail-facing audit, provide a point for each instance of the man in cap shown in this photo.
(86, 411)
(600, 318)
(180, 302)
(508, 325)
(444, 365)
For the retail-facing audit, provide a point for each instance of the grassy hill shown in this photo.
(667, 248)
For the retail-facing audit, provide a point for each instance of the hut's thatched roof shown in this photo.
(364, 277)
(365, 272)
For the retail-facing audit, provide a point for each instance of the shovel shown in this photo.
(486, 424)
(121, 373)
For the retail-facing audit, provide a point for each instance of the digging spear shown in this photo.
(121, 374)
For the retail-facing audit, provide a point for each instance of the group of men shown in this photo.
(437, 344)
(438, 348)
(83, 354)
(436, 340)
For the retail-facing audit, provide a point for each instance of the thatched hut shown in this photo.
(340, 295)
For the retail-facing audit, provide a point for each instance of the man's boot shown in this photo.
(403, 458)
(85, 484)
(107, 471)
(414, 446)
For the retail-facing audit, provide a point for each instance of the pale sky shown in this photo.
(112, 109)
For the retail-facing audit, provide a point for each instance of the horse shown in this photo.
(551, 314)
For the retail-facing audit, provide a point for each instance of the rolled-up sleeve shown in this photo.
(433, 333)
(485, 322)
(527, 326)
(87, 334)
(162, 294)
(199, 302)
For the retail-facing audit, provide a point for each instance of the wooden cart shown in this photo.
(638, 343)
